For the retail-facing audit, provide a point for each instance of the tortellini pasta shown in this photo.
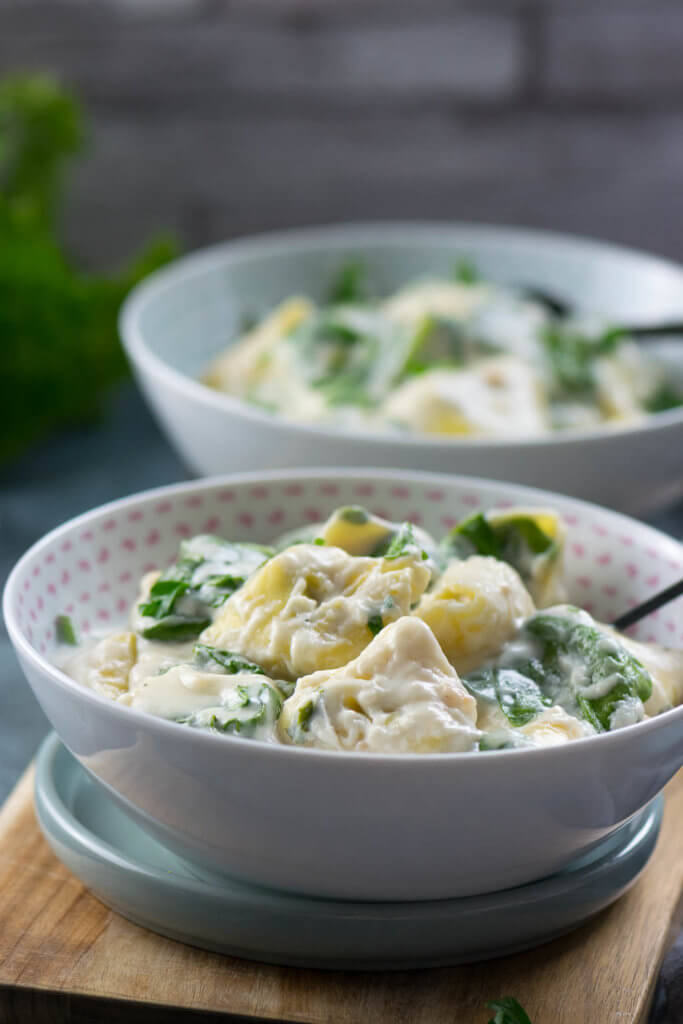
(314, 606)
(474, 608)
(447, 356)
(400, 695)
(363, 634)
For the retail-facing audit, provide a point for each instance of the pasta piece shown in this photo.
(475, 607)
(314, 606)
(399, 696)
(241, 367)
(500, 396)
(551, 727)
(356, 531)
(451, 299)
(106, 667)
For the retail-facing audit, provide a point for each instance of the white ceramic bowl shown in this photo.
(344, 825)
(179, 318)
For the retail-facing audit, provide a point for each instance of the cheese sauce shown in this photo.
(442, 357)
(364, 634)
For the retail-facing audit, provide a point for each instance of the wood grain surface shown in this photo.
(64, 957)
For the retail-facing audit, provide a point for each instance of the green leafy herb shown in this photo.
(163, 596)
(65, 631)
(570, 356)
(474, 535)
(351, 355)
(176, 628)
(519, 697)
(508, 1011)
(375, 623)
(244, 711)
(602, 659)
(466, 272)
(349, 285)
(663, 398)
(494, 741)
(439, 341)
(355, 514)
(516, 540)
(205, 654)
(303, 719)
(209, 569)
(402, 542)
(436, 342)
(61, 350)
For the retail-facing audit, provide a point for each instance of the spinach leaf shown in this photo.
(65, 631)
(436, 342)
(220, 566)
(440, 341)
(352, 355)
(205, 655)
(375, 623)
(517, 535)
(663, 398)
(515, 690)
(354, 514)
(209, 569)
(516, 540)
(602, 659)
(176, 628)
(473, 536)
(248, 708)
(375, 620)
(303, 720)
(465, 272)
(163, 595)
(508, 1011)
(402, 542)
(495, 741)
(349, 284)
(570, 356)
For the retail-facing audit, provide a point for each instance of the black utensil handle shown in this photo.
(649, 606)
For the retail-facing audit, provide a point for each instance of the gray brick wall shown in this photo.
(215, 118)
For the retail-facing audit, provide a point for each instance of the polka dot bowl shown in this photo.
(350, 826)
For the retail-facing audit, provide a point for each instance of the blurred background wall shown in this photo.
(217, 118)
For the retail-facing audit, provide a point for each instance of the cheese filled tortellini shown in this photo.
(314, 606)
(400, 695)
(474, 608)
(447, 355)
(360, 633)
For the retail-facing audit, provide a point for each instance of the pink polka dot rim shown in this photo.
(611, 562)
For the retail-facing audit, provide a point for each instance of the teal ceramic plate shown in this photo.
(147, 883)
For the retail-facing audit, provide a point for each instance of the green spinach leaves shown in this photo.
(207, 572)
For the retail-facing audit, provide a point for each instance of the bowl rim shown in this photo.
(194, 264)
(42, 664)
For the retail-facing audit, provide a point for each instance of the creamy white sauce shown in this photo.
(329, 645)
(504, 382)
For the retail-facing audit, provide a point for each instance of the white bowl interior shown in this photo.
(190, 311)
(90, 568)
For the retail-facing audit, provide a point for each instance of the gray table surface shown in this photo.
(79, 469)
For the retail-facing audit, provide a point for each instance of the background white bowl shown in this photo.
(179, 318)
(344, 825)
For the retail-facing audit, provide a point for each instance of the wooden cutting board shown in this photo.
(64, 957)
